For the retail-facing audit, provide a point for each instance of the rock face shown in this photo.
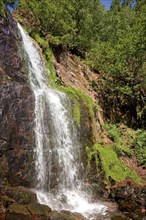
(2, 212)
(131, 200)
(16, 109)
(28, 212)
(65, 215)
(13, 195)
(36, 211)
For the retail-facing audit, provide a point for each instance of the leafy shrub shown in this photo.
(122, 138)
(139, 146)
(113, 132)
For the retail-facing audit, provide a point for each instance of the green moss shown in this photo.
(16, 208)
(92, 153)
(88, 101)
(40, 40)
(76, 95)
(2, 9)
(121, 150)
(52, 78)
(38, 209)
(44, 45)
(111, 164)
(76, 113)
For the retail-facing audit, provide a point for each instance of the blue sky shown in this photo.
(107, 3)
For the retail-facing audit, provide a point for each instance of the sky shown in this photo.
(107, 3)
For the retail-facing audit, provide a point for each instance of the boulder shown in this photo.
(28, 212)
(39, 210)
(17, 212)
(119, 217)
(131, 199)
(65, 215)
(21, 195)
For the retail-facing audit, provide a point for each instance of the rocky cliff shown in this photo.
(16, 109)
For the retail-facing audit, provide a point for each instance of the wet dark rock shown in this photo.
(65, 215)
(131, 200)
(16, 134)
(16, 109)
(18, 212)
(119, 217)
(21, 195)
(28, 212)
(39, 210)
(2, 212)
(11, 53)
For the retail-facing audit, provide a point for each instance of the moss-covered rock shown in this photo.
(131, 199)
(21, 195)
(28, 212)
(39, 210)
(114, 169)
(17, 212)
(65, 215)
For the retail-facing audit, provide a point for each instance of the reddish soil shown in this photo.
(132, 164)
(75, 74)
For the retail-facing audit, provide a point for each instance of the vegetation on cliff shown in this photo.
(113, 168)
(110, 158)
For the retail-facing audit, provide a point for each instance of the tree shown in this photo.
(115, 6)
(121, 55)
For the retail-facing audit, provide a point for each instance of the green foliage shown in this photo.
(113, 132)
(2, 4)
(76, 95)
(111, 165)
(69, 23)
(2, 8)
(121, 150)
(139, 146)
(44, 45)
(120, 54)
(128, 142)
(122, 138)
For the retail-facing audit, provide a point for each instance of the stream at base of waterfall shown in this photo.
(57, 157)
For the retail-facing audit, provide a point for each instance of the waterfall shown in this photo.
(57, 149)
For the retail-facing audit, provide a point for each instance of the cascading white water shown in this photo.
(57, 151)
